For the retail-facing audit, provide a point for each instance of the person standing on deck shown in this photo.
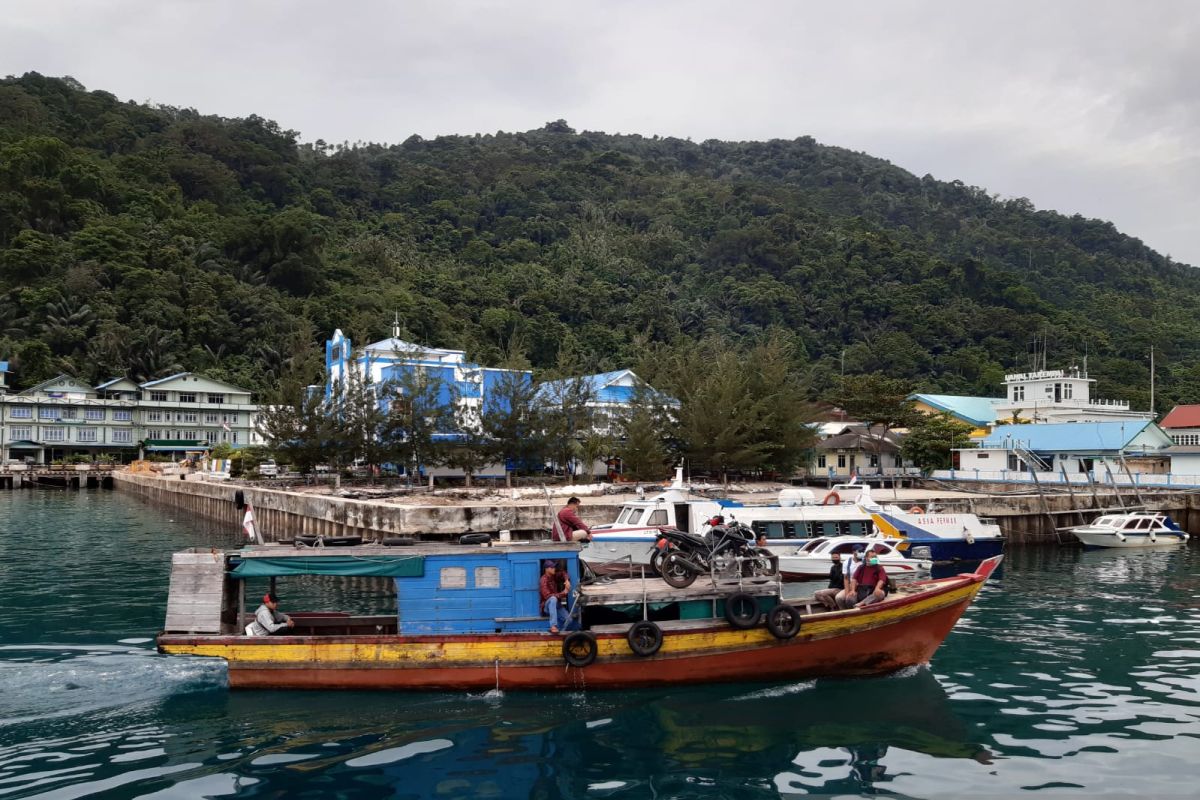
(554, 596)
(570, 526)
(268, 619)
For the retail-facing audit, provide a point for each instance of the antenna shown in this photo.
(396, 325)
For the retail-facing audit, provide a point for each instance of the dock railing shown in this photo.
(1100, 478)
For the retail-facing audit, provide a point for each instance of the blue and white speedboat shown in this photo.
(796, 518)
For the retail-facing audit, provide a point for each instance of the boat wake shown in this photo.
(39, 682)
(777, 691)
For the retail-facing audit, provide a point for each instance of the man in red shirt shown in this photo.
(554, 596)
(570, 526)
(872, 582)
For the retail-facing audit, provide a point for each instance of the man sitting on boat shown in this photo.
(837, 583)
(570, 527)
(871, 582)
(268, 619)
(554, 592)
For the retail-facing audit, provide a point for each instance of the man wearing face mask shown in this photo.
(872, 582)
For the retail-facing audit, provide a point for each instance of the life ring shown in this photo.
(645, 638)
(579, 649)
(783, 621)
(916, 510)
(741, 610)
(834, 496)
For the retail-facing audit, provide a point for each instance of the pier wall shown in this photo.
(284, 515)
(1026, 518)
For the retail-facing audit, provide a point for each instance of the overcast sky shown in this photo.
(1083, 107)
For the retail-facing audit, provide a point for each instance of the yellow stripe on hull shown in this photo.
(533, 649)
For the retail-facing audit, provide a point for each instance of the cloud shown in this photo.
(1084, 107)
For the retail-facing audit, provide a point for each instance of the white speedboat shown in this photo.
(812, 561)
(1135, 529)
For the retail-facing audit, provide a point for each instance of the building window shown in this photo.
(191, 416)
(487, 577)
(67, 413)
(821, 462)
(216, 399)
(981, 455)
(93, 413)
(154, 416)
(158, 397)
(211, 436)
(54, 434)
(187, 397)
(153, 433)
(210, 419)
(122, 435)
(1068, 390)
(841, 461)
(233, 438)
(20, 413)
(452, 578)
(873, 460)
(232, 419)
(1018, 393)
(85, 435)
(122, 416)
(17, 434)
(47, 413)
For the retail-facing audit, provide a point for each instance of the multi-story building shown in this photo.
(182, 413)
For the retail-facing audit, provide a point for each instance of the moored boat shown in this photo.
(812, 561)
(1134, 529)
(468, 618)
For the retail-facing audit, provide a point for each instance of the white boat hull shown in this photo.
(794, 568)
(1128, 540)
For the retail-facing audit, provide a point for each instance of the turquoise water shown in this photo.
(1075, 675)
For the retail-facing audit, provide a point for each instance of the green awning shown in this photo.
(375, 566)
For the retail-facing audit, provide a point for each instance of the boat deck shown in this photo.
(655, 590)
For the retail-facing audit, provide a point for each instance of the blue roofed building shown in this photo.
(977, 411)
(3, 380)
(1069, 448)
(608, 394)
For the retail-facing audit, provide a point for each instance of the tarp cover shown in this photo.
(378, 566)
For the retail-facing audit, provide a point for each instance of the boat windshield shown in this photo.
(813, 545)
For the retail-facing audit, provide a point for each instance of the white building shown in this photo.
(1052, 396)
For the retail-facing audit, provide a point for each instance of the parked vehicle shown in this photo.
(268, 468)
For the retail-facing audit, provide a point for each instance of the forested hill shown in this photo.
(142, 240)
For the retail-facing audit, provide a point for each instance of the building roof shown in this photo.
(601, 387)
(395, 345)
(50, 382)
(107, 384)
(1069, 436)
(237, 389)
(979, 411)
(859, 439)
(1182, 417)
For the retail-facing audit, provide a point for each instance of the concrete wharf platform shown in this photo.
(1025, 517)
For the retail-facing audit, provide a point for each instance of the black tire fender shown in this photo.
(475, 538)
(399, 541)
(741, 610)
(645, 638)
(783, 621)
(580, 649)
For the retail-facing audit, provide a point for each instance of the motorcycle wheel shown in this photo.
(656, 559)
(645, 638)
(676, 573)
(783, 621)
(757, 567)
(579, 649)
(741, 610)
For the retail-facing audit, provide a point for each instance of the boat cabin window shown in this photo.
(1134, 524)
(452, 578)
(845, 548)
(635, 516)
(658, 517)
(772, 530)
(811, 546)
(1103, 521)
(858, 527)
(487, 577)
(881, 549)
(828, 528)
(624, 517)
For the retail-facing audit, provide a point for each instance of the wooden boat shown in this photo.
(1134, 529)
(468, 618)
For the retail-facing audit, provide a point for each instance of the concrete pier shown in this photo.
(1024, 518)
(71, 476)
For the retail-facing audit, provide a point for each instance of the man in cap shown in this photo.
(554, 595)
(268, 619)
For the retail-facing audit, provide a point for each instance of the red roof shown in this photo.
(1182, 417)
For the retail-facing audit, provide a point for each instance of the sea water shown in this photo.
(1075, 674)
